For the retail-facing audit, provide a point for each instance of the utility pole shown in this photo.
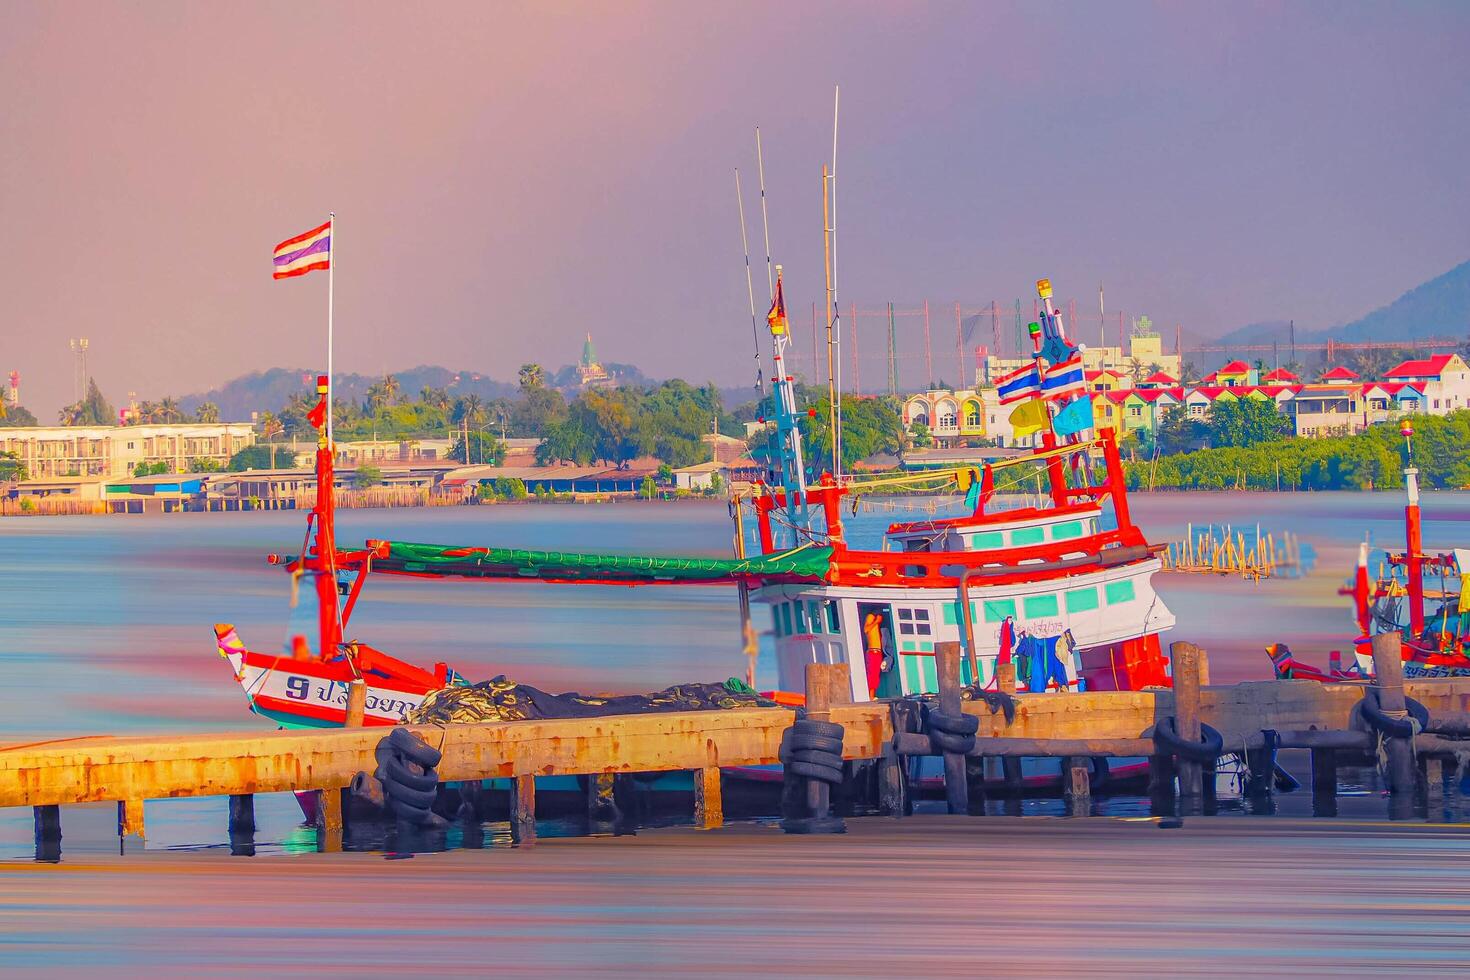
(928, 352)
(892, 354)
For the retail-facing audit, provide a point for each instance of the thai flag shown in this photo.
(1018, 384)
(304, 253)
(1066, 378)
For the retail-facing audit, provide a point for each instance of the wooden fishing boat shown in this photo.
(1063, 586)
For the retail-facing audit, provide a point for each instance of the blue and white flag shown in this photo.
(1022, 383)
(1066, 378)
(1074, 417)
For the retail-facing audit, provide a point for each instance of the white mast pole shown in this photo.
(760, 163)
(331, 282)
(832, 297)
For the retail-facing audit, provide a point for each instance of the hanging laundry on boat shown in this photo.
(1007, 641)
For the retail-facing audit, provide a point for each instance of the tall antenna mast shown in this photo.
(1102, 326)
(834, 362)
(760, 163)
(755, 332)
(832, 289)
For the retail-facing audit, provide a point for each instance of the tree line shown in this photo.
(1368, 460)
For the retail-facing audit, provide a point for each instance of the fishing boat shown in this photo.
(1062, 586)
(1434, 643)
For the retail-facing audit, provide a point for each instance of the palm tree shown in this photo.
(168, 410)
(390, 388)
(470, 408)
(207, 412)
(70, 415)
(270, 427)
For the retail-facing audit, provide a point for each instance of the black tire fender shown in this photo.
(409, 774)
(399, 793)
(1207, 749)
(800, 741)
(413, 748)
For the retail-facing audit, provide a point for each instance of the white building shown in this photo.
(1444, 379)
(49, 452)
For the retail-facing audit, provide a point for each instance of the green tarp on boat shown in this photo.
(805, 564)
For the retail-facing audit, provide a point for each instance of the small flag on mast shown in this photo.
(1066, 378)
(776, 318)
(304, 253)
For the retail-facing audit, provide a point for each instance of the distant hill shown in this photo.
(267, 391)
(1437, 308)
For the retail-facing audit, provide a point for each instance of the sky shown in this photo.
(510, 176)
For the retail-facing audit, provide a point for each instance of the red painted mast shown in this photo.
(1413, 555)
(321, 555)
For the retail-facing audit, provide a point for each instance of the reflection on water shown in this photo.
(105, 622)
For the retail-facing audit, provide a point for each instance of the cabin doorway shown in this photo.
(879, 651)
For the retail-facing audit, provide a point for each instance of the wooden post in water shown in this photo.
(1005, 683)
(48, 832)
(356, 703)
(1077, 784)
(1324, 782)
(130, 818)
(523, 810)
(818, 708)
(1388, 664)
(242, 814)
(329, 819)
(1185, 658)
(956, 784)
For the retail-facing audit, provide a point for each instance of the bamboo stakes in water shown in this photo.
(1226, 551)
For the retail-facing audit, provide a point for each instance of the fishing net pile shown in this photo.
(501, 699)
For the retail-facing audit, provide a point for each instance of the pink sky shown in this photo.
(510, 176)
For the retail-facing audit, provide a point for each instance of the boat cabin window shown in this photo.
(1119, 591)
(800, 617)
(1028, 535)
(914, 622)
(785, 628)
(996, 610)
(1066, 531)
(833, 623)
(987, 539)
(1081, 600)
(1040, 606)
(918, 544)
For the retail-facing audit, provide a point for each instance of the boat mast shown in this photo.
(1413, 556)
(788, 436)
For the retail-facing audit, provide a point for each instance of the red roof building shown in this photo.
(1339, 375)
(1280, 376)
(1428, 369)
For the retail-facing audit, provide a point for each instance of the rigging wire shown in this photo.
(755, 333)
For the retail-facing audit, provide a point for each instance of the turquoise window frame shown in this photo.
(1040, 606)
(1066, 531)
(801, 617)
(996, 610)
(988, 539)
(785, 619)
(1120, 591)
(1023, 536)
(834, 622)
(1082, 600)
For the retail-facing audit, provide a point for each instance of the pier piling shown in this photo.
(356, 703)
(956, 781)
(130, 819)
(1388, 665)
(1324, 782)
(1005, 683)
(1077, 785)
(1185, 659)
(523, 810)
(709, 806)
